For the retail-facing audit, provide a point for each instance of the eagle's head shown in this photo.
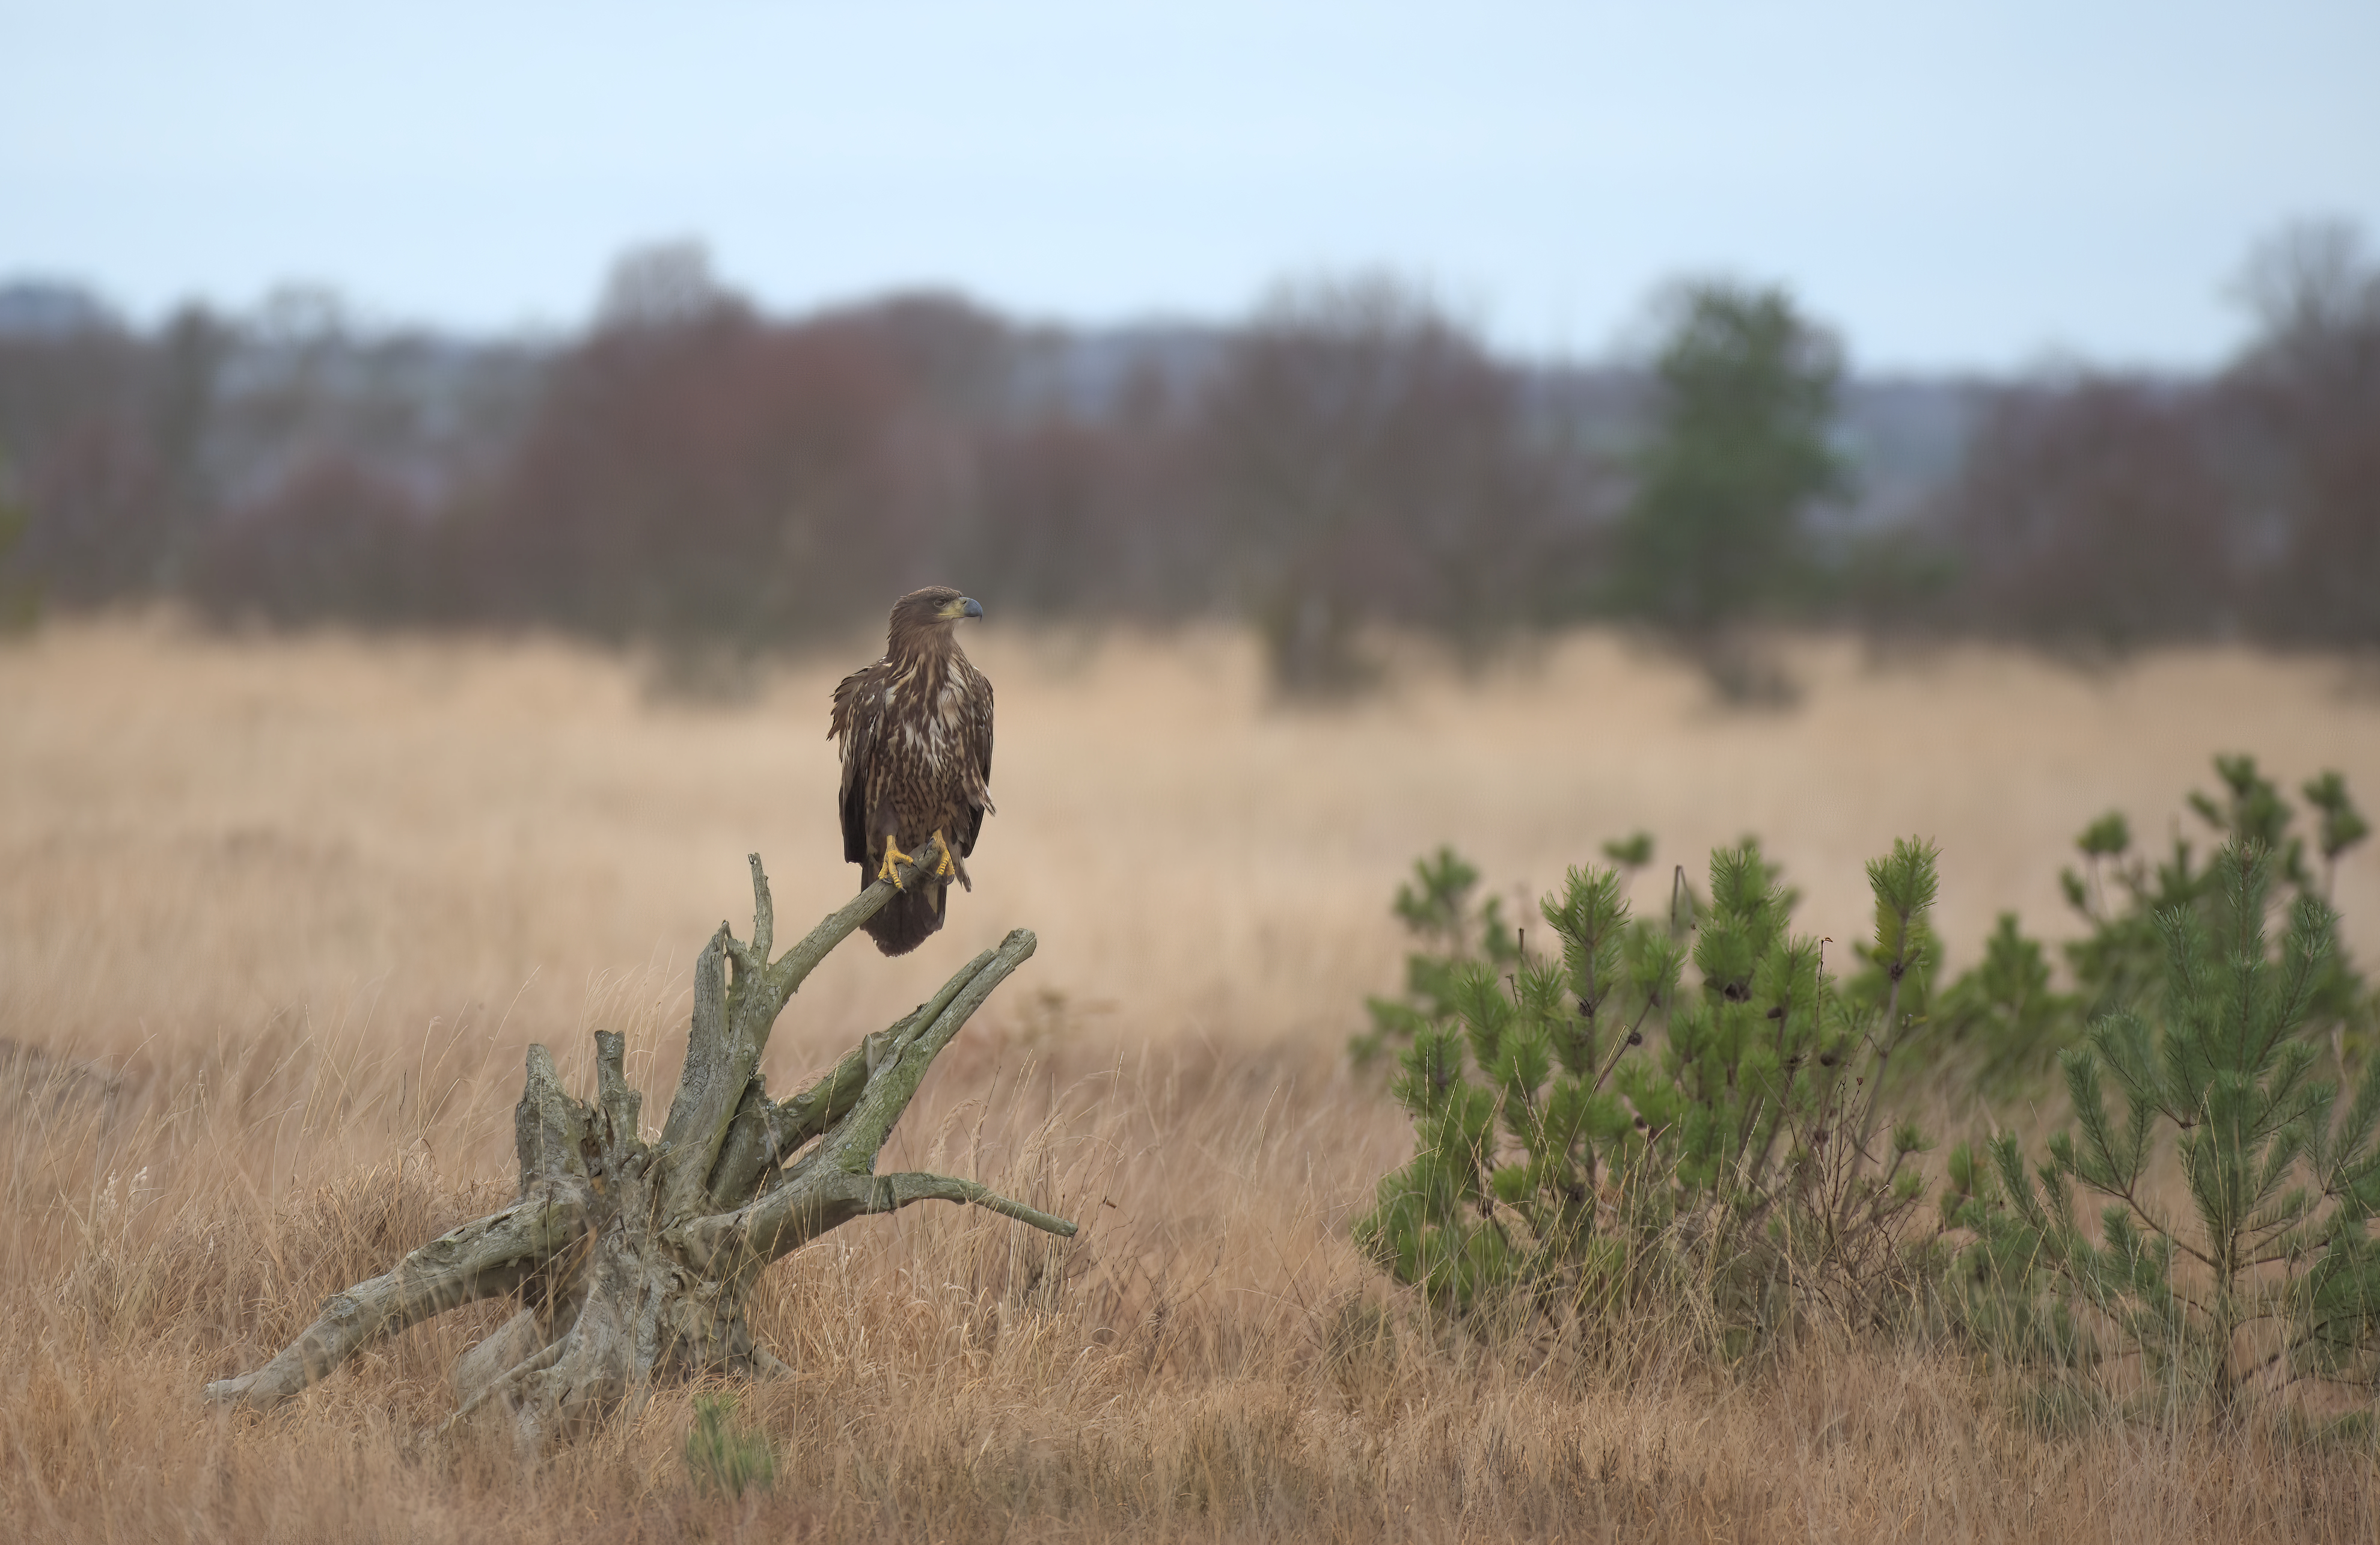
(931, 612)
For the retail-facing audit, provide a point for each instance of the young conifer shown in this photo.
(1588, 1132)
(2268, 1272)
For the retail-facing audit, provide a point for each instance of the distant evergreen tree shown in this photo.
(1714, 536)
(2307, 394)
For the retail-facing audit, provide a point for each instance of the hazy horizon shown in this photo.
(1953, 190)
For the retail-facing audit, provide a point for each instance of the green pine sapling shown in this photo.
(1588, 1132)
(1436, 908)
(2005, 1012)
(2263, 1269)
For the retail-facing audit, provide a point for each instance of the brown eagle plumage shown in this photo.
(916, 733)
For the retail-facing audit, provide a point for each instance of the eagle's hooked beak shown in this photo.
(964, 606)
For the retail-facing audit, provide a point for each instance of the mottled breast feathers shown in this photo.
(915, 732)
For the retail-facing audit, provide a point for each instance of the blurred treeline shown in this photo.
(690, 471)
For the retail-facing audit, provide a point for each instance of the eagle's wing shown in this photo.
(976, 749)
(859, 710)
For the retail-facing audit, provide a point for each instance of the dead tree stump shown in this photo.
(633, 1259)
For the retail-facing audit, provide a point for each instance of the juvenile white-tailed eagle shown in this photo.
(916, 729)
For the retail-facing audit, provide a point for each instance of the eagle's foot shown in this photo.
(945, 863)
(893, 858)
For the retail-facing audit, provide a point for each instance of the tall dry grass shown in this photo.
(278, 918)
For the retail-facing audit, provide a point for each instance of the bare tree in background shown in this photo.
(110, 431)
(699, 474)
(2089, 516)
(2308, 393)
(1372, 464)
(1092, 519)
(335, 541)
(667, 284)
(692, 474)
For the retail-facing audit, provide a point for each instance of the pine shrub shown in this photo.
(1451, 932)
(1597, 1134)
(2011, 1021)
(2264, 1270)
(1591, 1132)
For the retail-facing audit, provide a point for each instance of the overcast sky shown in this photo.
(1965, 186)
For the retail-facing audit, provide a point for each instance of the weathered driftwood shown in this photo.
(633, 1260)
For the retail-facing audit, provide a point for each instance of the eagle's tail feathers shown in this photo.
(908, 919)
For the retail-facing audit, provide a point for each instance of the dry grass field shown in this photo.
(278, 918)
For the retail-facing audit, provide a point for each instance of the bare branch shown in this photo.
(894, 1081)
(754, 1149)
(731, 1030)
(889, 1193)
(547, 1125)
(485, 1259)
(787, 975)
(719, 1064)
(764, 911)
(622, 1105)
(815, 1200)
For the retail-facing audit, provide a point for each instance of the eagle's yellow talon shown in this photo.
(894, 857)
(943, 867)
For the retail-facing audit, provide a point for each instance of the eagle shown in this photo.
(915, 734)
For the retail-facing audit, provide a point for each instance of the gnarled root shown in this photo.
(633, 1260)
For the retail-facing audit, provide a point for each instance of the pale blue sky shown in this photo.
(1953, 184)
